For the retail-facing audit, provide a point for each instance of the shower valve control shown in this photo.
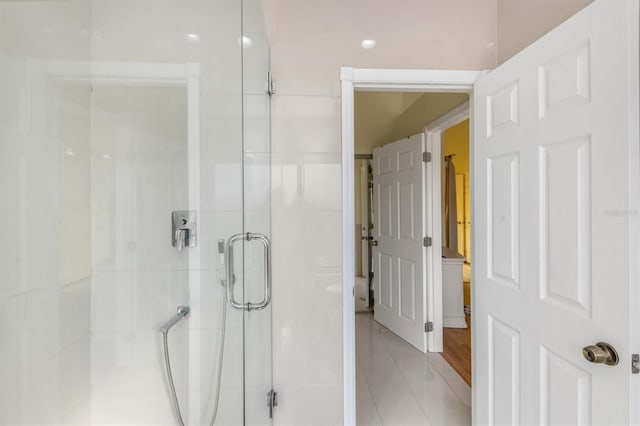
(183, 229)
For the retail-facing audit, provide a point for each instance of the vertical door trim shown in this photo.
(433, 217)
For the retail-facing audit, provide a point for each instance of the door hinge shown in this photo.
(635, 364)
(426, 241)
(428, 327)
(271, 84)
(426, 157)
(272, 401)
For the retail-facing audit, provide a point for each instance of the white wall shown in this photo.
(521, 22)
(310, 41)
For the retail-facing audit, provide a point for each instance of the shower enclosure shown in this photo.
(114, 114)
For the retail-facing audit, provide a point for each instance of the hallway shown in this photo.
(398, 385)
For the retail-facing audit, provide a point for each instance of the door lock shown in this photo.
(601, 353)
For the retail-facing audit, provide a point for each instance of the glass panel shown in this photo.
(257, 219)
(113, 115)
(45, 208)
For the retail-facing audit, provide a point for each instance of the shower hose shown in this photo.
(165, 331)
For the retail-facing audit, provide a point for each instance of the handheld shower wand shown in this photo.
(184, 311)
(222, 269)
(222, 273)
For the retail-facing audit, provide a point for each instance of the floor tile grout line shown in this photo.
(436, 369)
(447, 381)
(364, 372)
(366, 380)
(404, 378)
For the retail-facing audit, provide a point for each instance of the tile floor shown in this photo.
(399, 385)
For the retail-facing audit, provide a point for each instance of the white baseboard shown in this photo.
(454, 322)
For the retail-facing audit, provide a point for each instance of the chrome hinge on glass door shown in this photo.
(273, 401)
(271, 84)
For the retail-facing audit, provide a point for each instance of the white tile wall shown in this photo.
(306, 124)
(140, 150)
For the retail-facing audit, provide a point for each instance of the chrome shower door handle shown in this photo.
(266, 298)
(266, 295)
(230, 277)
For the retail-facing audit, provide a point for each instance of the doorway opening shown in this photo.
(460, 82)
(392, 206)
(456, 248)
(363, 237)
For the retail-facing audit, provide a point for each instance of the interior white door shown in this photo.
(399, 277)
(555, 225)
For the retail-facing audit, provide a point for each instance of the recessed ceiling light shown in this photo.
(368, 44)
(191, 37)
(246, 41)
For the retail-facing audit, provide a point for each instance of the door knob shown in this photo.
(374, 243)
(601, 353)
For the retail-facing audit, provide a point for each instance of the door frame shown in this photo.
(364, 79)
(434, 131)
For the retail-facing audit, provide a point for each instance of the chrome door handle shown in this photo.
(266, 298)
(374, 243)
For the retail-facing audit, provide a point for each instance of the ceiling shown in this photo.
(383, 117)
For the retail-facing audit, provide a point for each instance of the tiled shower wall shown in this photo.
(138, 175)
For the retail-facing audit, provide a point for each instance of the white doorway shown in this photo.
(377, 80)
(390, 370)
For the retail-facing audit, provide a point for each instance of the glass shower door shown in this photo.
(260, 397)
(113, 115)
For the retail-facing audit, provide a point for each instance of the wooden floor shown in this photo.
(457, 350)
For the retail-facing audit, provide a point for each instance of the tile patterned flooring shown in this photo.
(398, 385)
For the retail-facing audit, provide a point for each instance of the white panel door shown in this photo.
(555, 225)
(399, 258)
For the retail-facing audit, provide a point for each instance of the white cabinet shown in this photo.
(452, 292)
